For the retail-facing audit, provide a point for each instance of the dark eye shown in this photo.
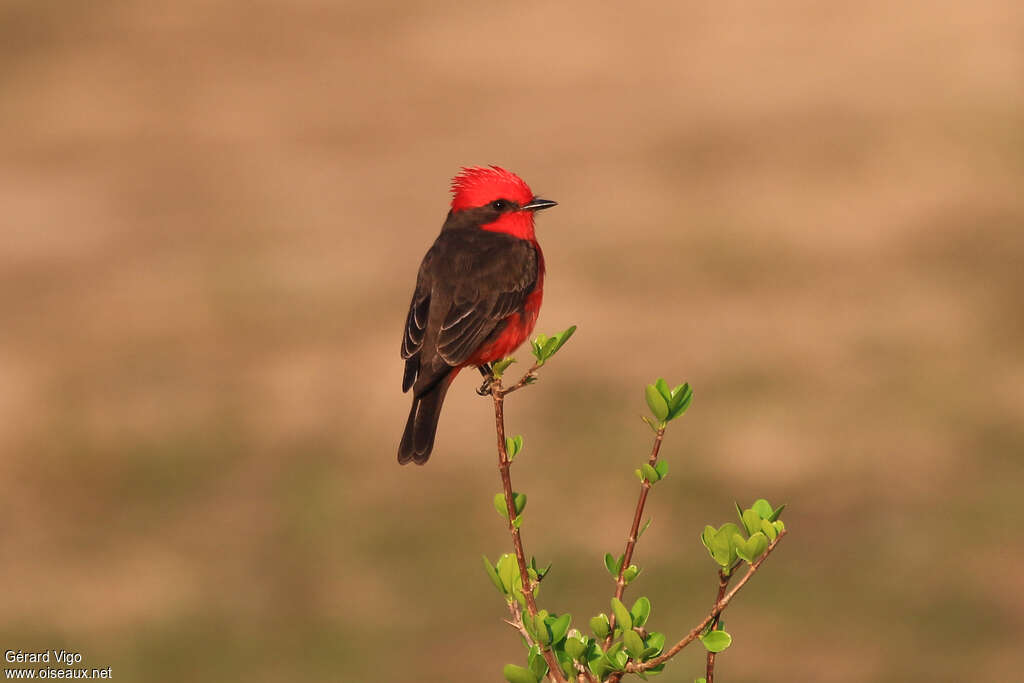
(499, 204)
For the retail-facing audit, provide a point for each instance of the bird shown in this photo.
(478, 293)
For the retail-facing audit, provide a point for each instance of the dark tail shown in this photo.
(418, 439)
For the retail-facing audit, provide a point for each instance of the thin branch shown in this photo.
(529, 377)
(554, 671)
(723, 584)
(719, 607)
(634, 531)
(517, 621)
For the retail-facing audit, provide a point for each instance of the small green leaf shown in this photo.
(752, 548)
(778, 513)
(650, 474)
(517, 674)
(769, 529)
(548, 348)
(517, 522)
(508, 572)
(639, 474)
(623, 619)
(630, 573)
(662, 468)
(634, 643)
(716, 641)
(656, 640)
(575, 647)
(513, 444)
(719, 543)
(600, 625)
(499, 505)
(492, 573)
(644, 527)
(559, 627)
(640, 611)
(751, 521)
(542, 627)
(562, 338)
(519, 500)
(538, 667)
(780, 525)
(662, 386)
(611, 565)
(681, 398)
(541, 573)
(763, 508)
(655, 402)
(499, 367)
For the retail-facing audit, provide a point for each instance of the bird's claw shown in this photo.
(485, 388)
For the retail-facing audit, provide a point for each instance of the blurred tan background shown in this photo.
(212, 217)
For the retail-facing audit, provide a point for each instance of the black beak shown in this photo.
(536, 204)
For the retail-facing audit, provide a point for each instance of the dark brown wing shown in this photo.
(470, 281)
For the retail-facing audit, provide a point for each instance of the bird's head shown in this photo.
(497, 200)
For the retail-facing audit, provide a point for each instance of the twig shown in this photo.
(723, 584)
(719, 607)
(554, 670)
(517, 621)
(529, 377)
(634, 530)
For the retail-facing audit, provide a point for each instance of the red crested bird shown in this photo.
(477, 295)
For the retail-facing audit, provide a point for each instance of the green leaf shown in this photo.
(763, 508)
(716, 641)
(559, 627)
(630, 573)
(623, 619)
(600, 625)
(662, 468)
(769, 529)
(538, 346)
(719, 543)
(644, 527)
(655, 402)
(640, 611)
(542, 627)
(519, 500)
(575, 647)
(656, 640)
(492, 573)
(751, 521)
(780, 525)
(517, 522)
(778, 513)
(513, 444)
(650, 474)
(613, 565)
(681, 398)
(662, 386)
(634, 643)
(517, 674)
(541, 573)
(499, 367)
(538, 667)
(562, 338)
(499, 505)
(508, 572)
(752, 548)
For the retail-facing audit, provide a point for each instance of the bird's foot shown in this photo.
(489, 380)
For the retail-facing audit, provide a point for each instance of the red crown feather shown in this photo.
(476, 186)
